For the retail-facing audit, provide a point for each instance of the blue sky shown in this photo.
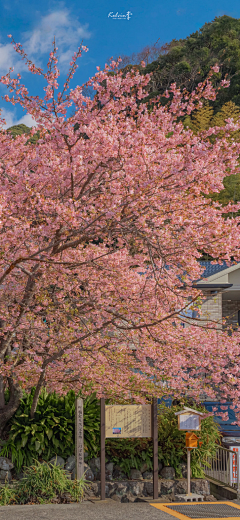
(35, 23)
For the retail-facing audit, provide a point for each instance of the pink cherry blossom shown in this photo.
(103, 220)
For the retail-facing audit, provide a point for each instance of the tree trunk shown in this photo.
(8, 410)
(2, 398)
(37, 393)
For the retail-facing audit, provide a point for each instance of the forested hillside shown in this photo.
(187, 61)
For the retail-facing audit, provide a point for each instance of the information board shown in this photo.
(189, 421)
(122, 421)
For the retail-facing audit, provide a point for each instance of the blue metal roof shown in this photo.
(211, 269)
(223, 424)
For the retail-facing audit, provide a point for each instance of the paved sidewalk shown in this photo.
(109, 510)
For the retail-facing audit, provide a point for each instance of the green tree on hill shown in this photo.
(187, 62)
(19, 130)
(23, 129)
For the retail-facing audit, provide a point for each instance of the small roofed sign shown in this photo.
(189, 419)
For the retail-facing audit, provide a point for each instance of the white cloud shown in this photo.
(66, 29)
(9, 58)
(68, 32)
(11, 119)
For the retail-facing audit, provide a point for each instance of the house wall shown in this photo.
(230, 312)
(212, 308)
(234, 277)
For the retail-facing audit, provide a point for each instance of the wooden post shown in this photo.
(155, 447)
(188, 471)
(79, 439)
(102, 449)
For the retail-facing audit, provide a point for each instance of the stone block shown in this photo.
(57, 461)
(144, 467)
(148, 488)
(109, 471)
(118, 473)
(135, 474)
(200, 487)
(89, 475)
(6, 464)
(180, 487)
(183, 469)
(5, 475)
(168, 473)
(70, 463)
(148, 475)
(167, 486)
(136, 488)
(95, 466)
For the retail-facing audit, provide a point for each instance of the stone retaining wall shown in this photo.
(133, 490)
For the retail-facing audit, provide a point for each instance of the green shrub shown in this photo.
(43, 483)
(52, 430)
(171, 441)
(7, 495)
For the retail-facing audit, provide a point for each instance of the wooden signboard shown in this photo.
(126, 421)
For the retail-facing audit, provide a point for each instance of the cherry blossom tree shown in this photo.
(102, 222)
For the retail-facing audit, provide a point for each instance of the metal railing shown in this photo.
(224, 467)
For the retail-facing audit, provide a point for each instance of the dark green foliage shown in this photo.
(91, 425)
(188, 61)
(231, 191)
(52, 430)
(42, 483)
(7, 495)
(130, 453)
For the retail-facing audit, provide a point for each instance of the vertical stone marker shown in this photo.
(79, 438)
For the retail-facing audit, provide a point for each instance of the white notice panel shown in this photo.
(189, 421)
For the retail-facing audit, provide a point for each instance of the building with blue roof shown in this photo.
(220, 287)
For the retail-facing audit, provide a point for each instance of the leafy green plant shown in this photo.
(43, 483)
(91, 425)
(171, 441)
(7, 495)
(130, 453)
(52, 430)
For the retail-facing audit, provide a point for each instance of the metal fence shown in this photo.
(224, 467)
